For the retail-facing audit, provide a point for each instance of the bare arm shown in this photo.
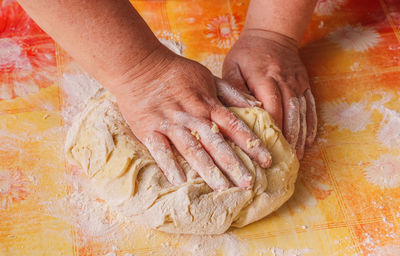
(108, 38)
(286, 17)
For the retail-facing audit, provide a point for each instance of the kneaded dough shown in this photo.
(124, 174)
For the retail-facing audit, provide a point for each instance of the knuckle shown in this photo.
(195, 150)
(236, 125)
(165, 126)
(219, 142)
(191, 146)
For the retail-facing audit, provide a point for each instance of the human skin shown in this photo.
(165, 98)
(265, 62)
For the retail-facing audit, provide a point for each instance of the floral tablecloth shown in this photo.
(347, 199)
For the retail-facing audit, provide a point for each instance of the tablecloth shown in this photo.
(347, 198)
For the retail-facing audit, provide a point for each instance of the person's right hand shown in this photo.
(170, 99)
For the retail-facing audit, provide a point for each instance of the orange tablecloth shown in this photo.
(347, 200)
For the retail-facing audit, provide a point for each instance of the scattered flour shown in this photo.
(214, 63)
(385, 250)
(171, 41)
(283, 252)
(93, 219)
(77, 88)
(209, 245)
(175, 46)
(355, 66)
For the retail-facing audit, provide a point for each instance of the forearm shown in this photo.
(286, 17)
(108, 38)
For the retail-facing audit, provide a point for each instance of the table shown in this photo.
(347, 198)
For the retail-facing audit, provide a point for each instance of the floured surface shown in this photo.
(125, 175)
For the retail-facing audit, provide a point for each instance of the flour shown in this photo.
(77, 88)
(289, 252)
(276, 251)
(214, 63)
(171, 41)
(91, 217)
(175, 46)
(292, 126)
(209, 245)
(355, 67)
(391, 249)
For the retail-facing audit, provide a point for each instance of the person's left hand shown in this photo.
(267, 64)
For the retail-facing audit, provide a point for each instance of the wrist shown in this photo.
(286, 17)
(278, 38)
(141, 71)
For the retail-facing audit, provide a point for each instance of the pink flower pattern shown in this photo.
(13, 188)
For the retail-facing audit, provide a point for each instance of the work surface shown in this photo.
(347, 200)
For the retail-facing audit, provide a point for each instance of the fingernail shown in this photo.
(266, 160)
(247, 182)
(254, 103)
(300, 154)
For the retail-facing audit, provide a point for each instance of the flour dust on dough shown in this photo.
(123, 173)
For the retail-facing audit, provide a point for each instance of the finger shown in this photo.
(220, 151)
(231, 73)
(231, 96)
(267, 91)
(161, 151)
(191, 149)
(303, 128)
(291, 115)
(312, 119)
(235, 129)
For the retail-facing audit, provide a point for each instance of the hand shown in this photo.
(267, 64)
(170, 99)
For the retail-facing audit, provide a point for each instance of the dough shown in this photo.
(124, 174)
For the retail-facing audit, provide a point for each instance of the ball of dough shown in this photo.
(123, 173)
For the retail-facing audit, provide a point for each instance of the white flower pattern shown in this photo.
(384, 172)
(353, 117)
(327, 7)
(355, 38)
(223, 31)
(12, 188)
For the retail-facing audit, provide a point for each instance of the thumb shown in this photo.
(232, 74)
(267, 91)
(232, 97)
